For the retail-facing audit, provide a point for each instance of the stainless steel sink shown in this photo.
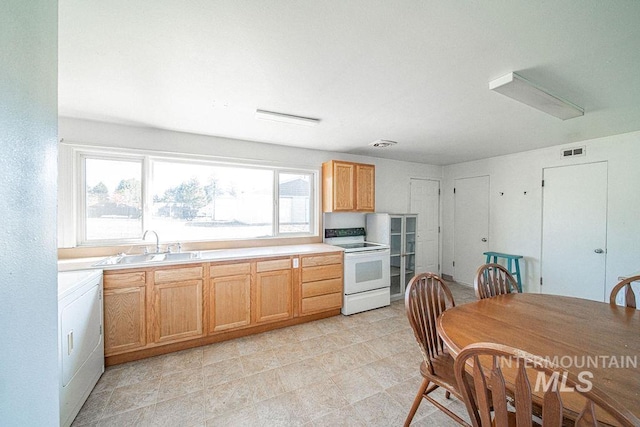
(134, 259)
(147, 258)
(181, 256)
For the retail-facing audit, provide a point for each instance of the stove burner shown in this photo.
(351, 240)
(358, 245)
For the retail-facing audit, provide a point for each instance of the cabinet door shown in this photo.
(177, 304)
(229, 302)
(409, 249)
(229, 296)
(396, 257)
(124, 319)
(365, 188)
(273, 296)
(177, 310)
(343, 186)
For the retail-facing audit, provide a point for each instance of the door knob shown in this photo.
(598, 251)
(484, 239)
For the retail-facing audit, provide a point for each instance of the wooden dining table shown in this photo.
(581, 335)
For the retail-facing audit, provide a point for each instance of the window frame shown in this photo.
(81, 193)
(313, 198)
(147, 159)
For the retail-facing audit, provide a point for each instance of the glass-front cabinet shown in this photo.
(403, 255)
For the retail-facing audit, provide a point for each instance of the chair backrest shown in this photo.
(426, 297)
(492, 280)
(488, 362)
(629, 296)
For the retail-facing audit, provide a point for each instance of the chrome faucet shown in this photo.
(178, 245)
(157, 239)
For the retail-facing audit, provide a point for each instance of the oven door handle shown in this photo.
(371, 252)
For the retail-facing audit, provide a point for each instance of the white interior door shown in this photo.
(471, 226)
(425, 202)
(574, 230)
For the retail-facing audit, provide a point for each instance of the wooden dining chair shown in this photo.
(629, 296)
(492, 280)
(426, 297)
(486, 361)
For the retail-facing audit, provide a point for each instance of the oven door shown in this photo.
(366, 270)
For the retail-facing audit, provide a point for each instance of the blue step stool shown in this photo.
(510, 259)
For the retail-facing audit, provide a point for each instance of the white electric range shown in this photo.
(366, 270)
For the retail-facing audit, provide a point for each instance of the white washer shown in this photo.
(81, 343)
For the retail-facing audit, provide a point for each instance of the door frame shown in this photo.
(453, 240)
(439, 181)
(606, 228)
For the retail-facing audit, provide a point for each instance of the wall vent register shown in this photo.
(574, 152)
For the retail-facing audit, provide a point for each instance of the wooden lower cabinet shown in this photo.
(273, 290)
(124, 312)
(229, 296)
(321, 283)
(153, 311)
(177, 304)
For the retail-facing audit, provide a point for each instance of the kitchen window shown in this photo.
(210, 202)
(111, 199)
(295, 192)
(189, 199)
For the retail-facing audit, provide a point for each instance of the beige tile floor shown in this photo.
(359, 370)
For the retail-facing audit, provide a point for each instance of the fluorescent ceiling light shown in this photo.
(517, 87)
(286, 118)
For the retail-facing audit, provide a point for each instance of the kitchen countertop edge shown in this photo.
(215, 255)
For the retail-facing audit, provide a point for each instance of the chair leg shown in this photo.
(447, 394)
(416, 402)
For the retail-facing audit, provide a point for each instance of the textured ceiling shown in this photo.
(415, 72)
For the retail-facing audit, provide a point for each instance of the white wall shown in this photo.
(516, 219)
(392, 177)
(28, 280)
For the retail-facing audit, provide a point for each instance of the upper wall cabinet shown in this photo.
(348, 187)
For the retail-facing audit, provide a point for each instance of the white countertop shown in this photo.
(205, 256)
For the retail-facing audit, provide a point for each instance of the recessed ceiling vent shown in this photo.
(383, 143)
(574, 152)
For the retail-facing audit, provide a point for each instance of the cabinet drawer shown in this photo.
(321, 303)
(178, 274)
(310, 261)
(124, 280)
(275, 264)
(321, 287)
(322, 272)
(230, 269)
